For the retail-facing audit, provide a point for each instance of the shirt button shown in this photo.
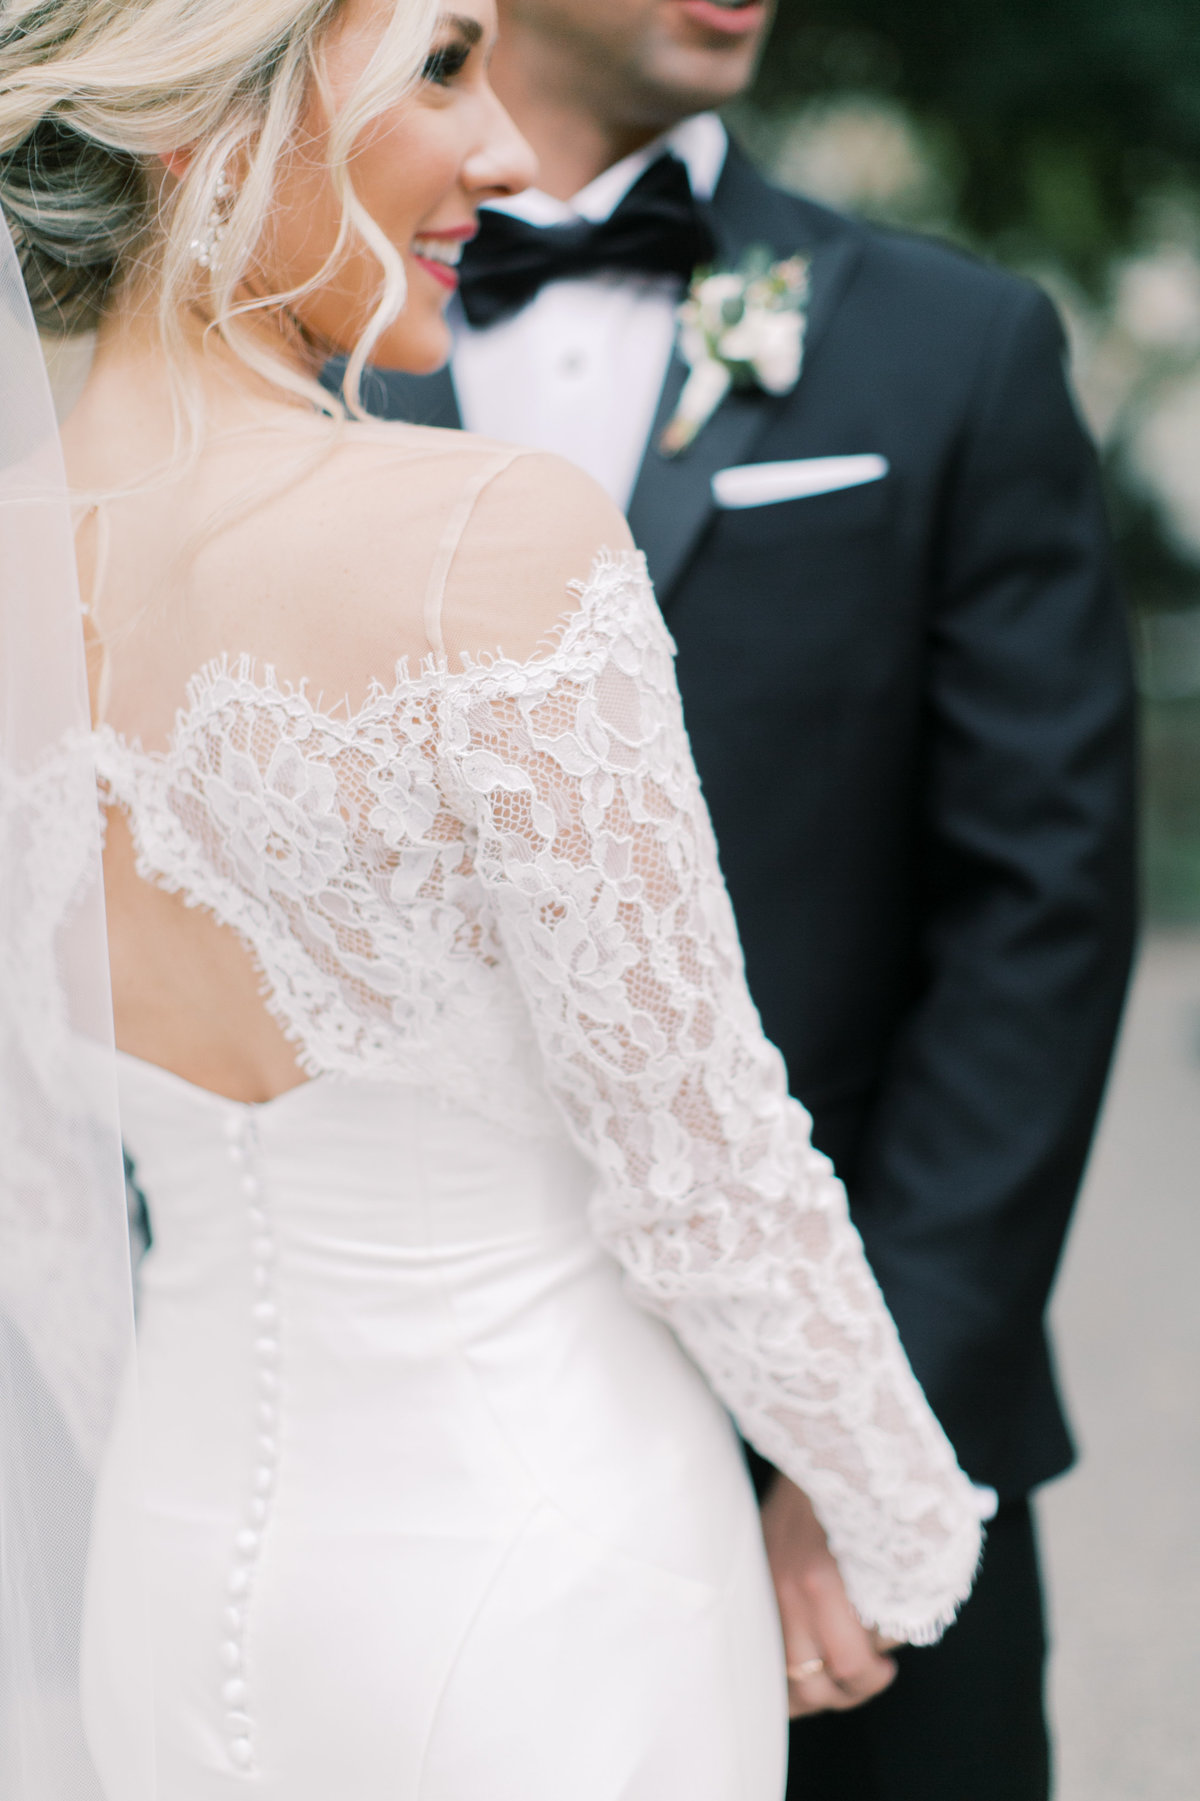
(574, 362)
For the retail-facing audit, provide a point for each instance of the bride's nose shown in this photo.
(502, 162)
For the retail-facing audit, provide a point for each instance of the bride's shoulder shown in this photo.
(543, 493)
(537, 530)
(518, 532)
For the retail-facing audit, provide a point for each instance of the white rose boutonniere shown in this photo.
(739, 328)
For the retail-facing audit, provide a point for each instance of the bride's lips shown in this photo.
(733, 21)
(439, 253)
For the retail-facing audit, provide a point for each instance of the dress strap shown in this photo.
(456, 525)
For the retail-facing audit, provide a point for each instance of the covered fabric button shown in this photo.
(242, 1752)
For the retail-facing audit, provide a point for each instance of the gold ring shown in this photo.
(812, 1666)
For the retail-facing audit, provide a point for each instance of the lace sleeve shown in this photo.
(596, 848)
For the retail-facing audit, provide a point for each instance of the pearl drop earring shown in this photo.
(204, 248)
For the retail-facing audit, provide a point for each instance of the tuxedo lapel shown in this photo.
(673, 497)
(673, 500)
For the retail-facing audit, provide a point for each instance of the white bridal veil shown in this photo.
(66, 1313)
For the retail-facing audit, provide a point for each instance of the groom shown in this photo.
(905, 675)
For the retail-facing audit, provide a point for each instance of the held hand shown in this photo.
(833, 1661)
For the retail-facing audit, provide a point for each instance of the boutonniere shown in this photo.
(738, 328)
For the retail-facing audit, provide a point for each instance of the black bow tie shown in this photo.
(658, 229)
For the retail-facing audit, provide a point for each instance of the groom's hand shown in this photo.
(833, 1660)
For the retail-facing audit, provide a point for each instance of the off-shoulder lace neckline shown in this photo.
(612, 574)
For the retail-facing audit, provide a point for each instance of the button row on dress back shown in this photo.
(243, 1151)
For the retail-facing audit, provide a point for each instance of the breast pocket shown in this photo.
(854, 513)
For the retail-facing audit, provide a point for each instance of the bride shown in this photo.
(475, 1195)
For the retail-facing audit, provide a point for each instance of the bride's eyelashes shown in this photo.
(442, 65)
(450, 59)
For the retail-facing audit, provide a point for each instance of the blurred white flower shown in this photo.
(772, 343)
(741, 325)
(1106, 366)
(1164, 455)
(1157, 300)
(713, 295)
(857, 153)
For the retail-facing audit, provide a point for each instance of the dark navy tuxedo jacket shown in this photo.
(911, 707)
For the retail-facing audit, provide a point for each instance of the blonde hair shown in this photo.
(94, 92)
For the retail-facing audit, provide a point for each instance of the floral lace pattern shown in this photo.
(502, 882)
(327, 844)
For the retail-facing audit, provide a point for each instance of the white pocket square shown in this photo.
(765, 484)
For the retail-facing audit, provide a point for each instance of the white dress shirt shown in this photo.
(579, 370)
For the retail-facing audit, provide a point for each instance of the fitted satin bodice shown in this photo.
(386, 1164)
(397, 1426)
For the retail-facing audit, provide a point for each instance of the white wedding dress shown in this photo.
(433, 1493)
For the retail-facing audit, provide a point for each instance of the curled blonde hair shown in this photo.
(94, 92)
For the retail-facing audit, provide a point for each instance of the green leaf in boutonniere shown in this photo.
(738, 328)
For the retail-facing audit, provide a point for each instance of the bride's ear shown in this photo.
(177, 162)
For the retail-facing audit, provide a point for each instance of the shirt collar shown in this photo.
(700, 143)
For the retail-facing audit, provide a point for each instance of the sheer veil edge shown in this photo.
(66, 1293)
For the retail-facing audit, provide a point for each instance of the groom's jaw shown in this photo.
(587, 81)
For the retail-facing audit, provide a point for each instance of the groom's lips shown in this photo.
(733, 21)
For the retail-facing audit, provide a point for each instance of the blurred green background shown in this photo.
(1062, 138)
